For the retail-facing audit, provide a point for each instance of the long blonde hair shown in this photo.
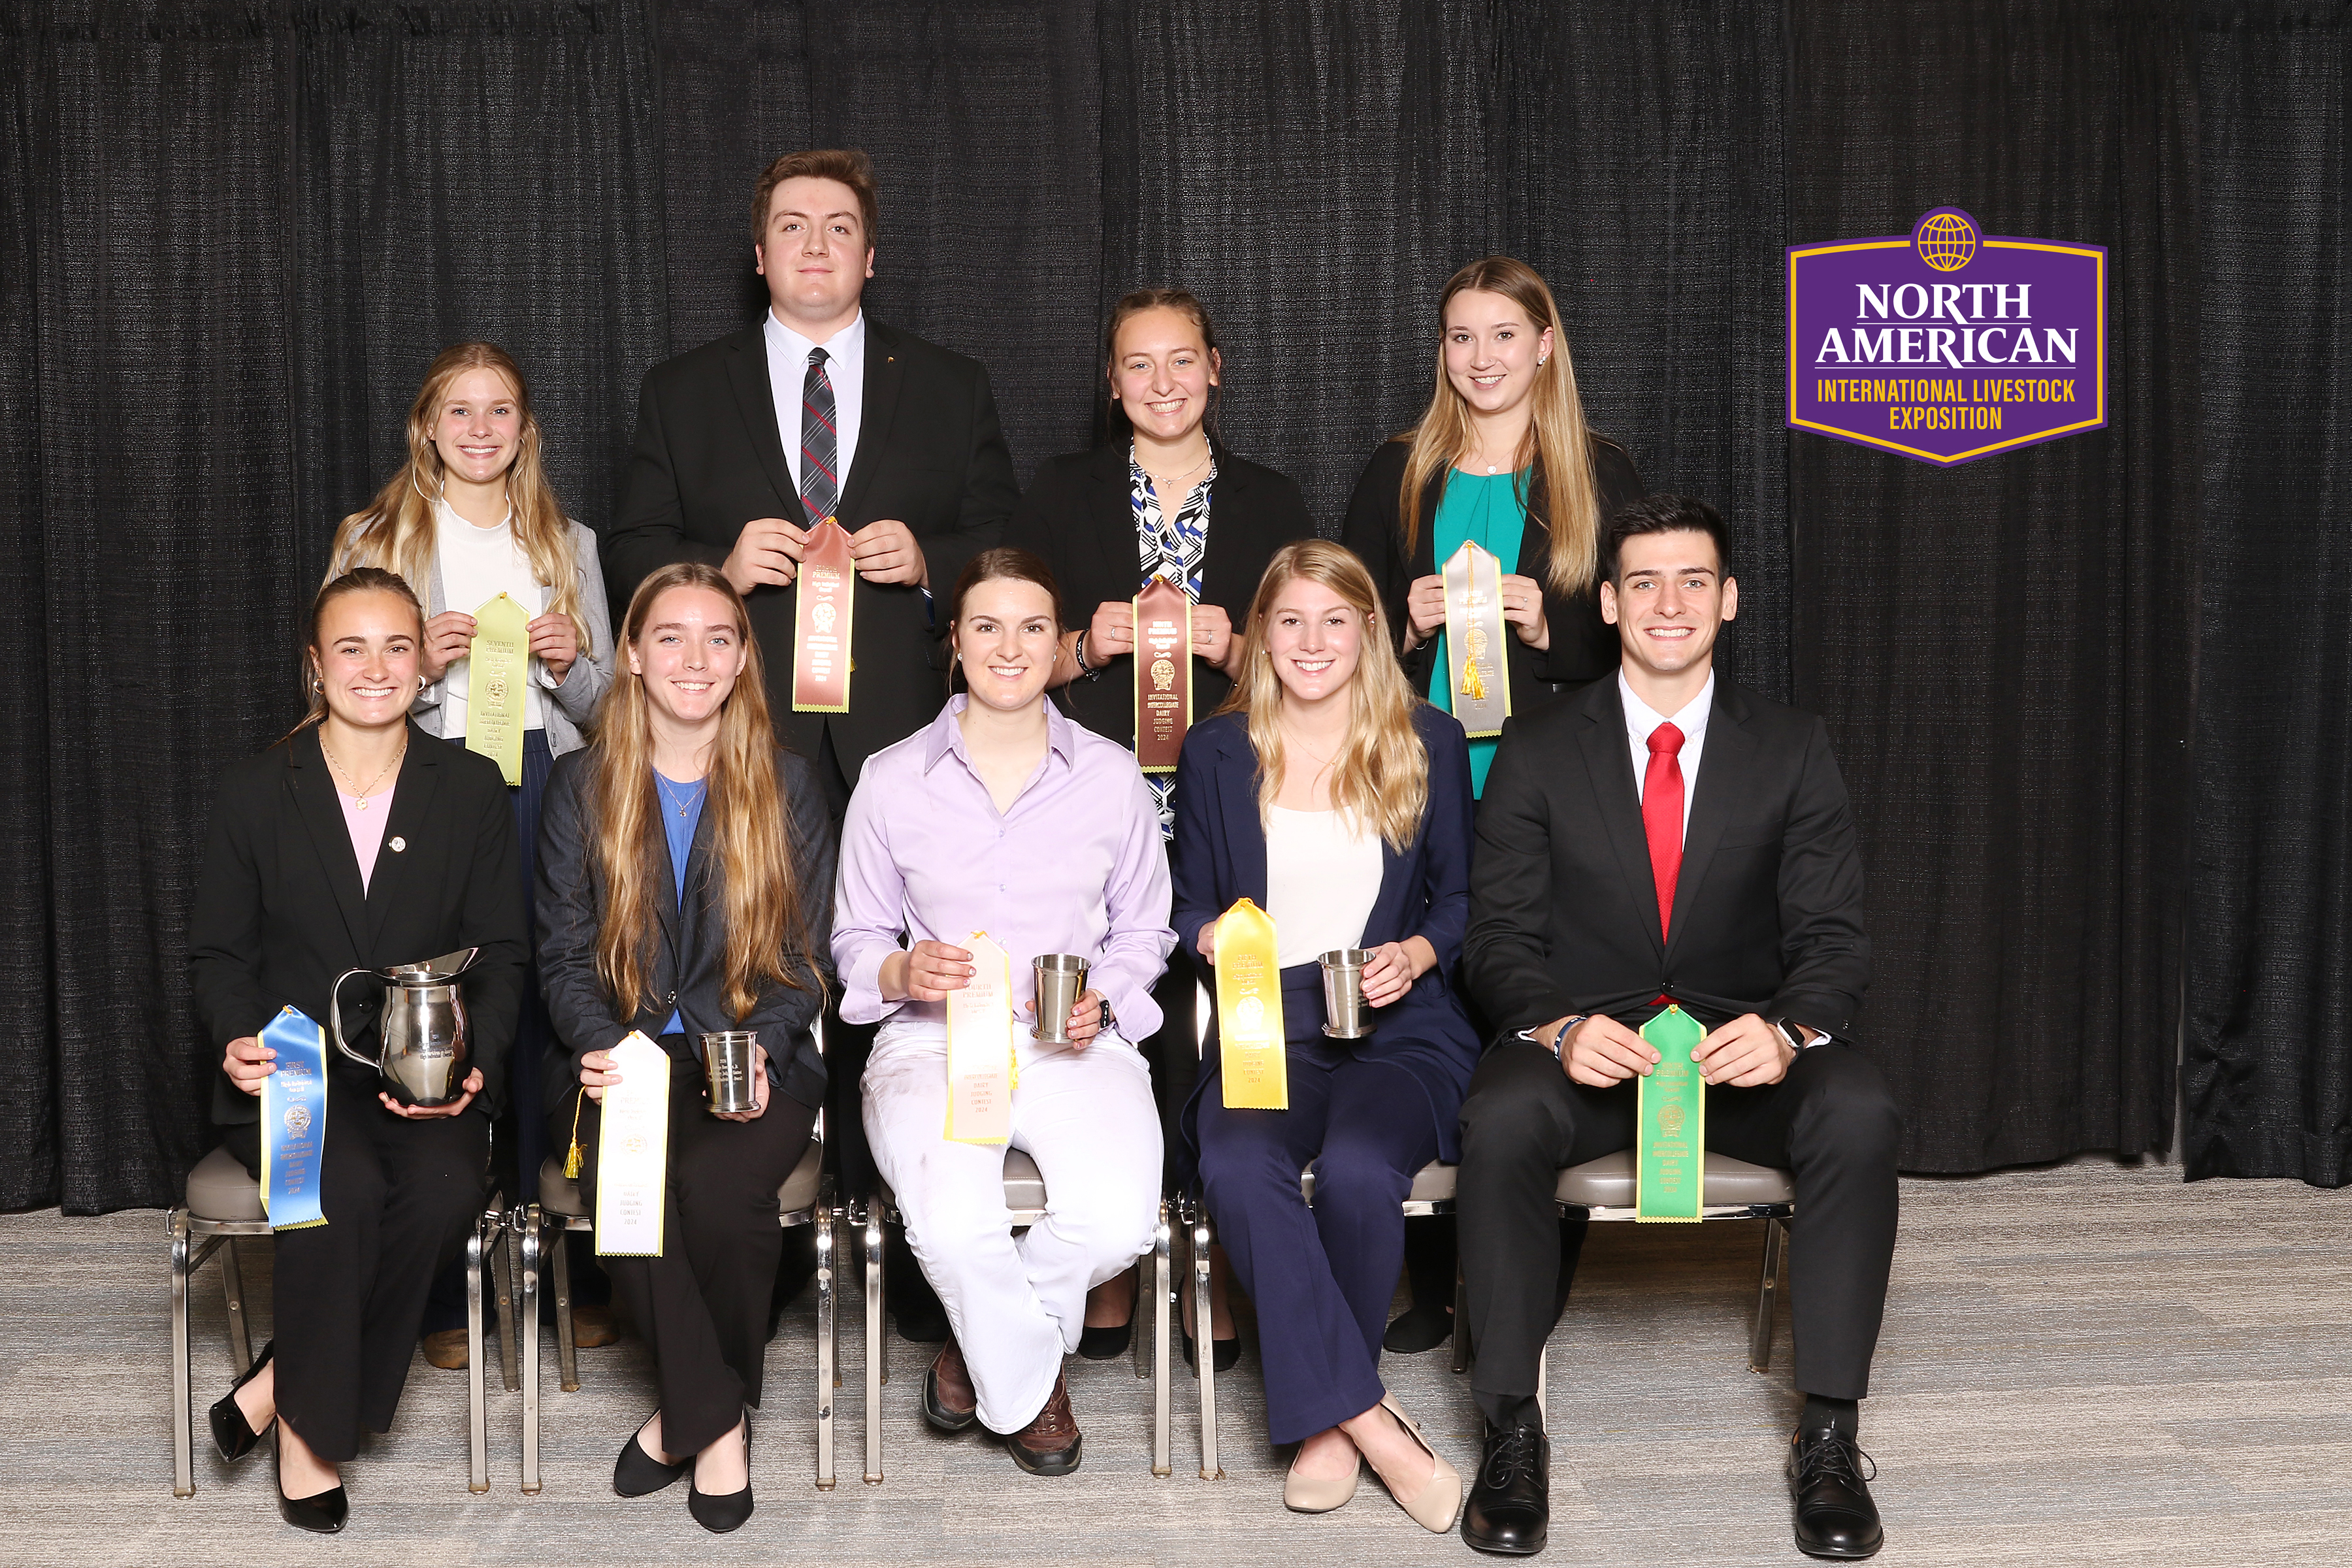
(759, 884)
(1555, 453)
(1380, 777)
(396, 530)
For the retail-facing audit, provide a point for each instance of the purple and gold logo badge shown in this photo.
(1948, 343)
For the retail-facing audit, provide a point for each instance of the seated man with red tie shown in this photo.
(1663, 836)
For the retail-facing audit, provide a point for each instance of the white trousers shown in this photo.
(1018, 1304)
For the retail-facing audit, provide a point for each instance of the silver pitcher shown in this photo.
(422, 1047)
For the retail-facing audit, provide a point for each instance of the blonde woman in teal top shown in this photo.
(1502, 456)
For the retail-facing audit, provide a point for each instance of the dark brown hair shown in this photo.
(1184, 302)
(1004, 561)
(849, 165)
(358, 580)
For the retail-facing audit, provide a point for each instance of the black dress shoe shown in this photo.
(1835, 1517)
(1225, 1354)
(1510, 1509)
(727, 1511)
(637, 1473)
(1423, 1326)
(323, 1513)
(1106, 1344)
(232, 1434)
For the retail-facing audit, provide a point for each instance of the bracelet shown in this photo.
(1079, 658)
(1558, 1034)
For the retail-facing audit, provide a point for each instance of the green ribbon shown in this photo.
(1670, 1132)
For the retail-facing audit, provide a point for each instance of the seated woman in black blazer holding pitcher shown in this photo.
(1330, 795)
(358, 842)
(1164, 497)
(685, 868)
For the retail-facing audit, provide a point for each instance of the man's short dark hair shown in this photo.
(1664, 514)
(848, 164)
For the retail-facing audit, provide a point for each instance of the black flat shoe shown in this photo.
(727, 1512)
(323, 1513)
(1225, 1355)
(232, 1435)
(1510, 1509)
(638, 1473)
(1836, 1517)
(1106, 1344)
(1423, 1326)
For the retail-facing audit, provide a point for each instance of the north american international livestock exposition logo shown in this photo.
(1947, 344)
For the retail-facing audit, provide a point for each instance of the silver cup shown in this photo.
(1343, 994)
(727, 1069)
(1061, 981)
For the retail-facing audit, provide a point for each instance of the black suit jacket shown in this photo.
(1768, 913)
(708, 458)
(1583, 646)
(1078, 516)
(688, 974)
(278, 911)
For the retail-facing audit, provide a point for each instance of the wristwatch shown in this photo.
(1798, 1034)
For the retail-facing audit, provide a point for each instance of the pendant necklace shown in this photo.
(362, 795)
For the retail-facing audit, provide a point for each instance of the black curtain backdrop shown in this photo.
(2268, 1075)
(231, 237)
(2002, 650)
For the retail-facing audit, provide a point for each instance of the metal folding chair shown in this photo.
(805, 1198)
(224, 1203)
(1024, 1199)
(1599, 1189)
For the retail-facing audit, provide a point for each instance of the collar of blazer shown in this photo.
(755, 399)
(1609, 764)
(313, 788)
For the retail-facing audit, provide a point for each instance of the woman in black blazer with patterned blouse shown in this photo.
(1166, 497)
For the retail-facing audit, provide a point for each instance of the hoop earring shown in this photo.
(317, 685)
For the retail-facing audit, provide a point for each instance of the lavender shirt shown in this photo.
(1077, 866)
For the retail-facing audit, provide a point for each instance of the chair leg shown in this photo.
(183, 1472)
(828, 1376)
(567, 1349)
(477, 1474)
(1162, 1462)
(504, 1267)
(875, 1373)
(1461, 1322)
(240, 1341)
(1543, 1387)
(1204, 1347)
(527, 1228)
(1759, 1343)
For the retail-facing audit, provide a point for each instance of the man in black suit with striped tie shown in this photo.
(746, 444)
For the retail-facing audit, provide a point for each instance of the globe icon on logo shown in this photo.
(1945, 241)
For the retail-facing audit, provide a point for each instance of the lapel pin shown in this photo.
(398, 844)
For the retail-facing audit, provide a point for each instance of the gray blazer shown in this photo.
(569, 707)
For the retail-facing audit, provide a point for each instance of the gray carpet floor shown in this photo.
(2081, 1364)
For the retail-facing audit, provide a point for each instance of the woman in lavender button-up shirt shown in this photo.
(1006, 817)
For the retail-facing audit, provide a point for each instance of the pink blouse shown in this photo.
(366, 828)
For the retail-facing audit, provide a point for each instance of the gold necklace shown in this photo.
(360, 794)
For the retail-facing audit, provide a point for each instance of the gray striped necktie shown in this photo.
(820, 446)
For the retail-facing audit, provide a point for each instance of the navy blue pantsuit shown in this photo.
(1366, 1114)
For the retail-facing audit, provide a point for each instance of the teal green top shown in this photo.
(1485, 507)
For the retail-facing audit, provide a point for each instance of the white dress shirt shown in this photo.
(477, 564)
(845, 366)
(1641, 718)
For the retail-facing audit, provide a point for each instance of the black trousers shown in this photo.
(1831, 1121)
(1174, 1053)
(400, 1198)
(702, 1305)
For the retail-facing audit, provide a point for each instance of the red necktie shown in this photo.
(1662, 815)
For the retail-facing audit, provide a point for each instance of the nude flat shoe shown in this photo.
(1315, 1494)
(1436, 1505)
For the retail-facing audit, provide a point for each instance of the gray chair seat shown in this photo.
(1608, 1183)
(1024, 1185)
(558, 1194)
(222, 1189)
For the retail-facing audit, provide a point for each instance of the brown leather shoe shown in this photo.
(593, 1326)
(949, 1402)
(1049, 1444)
(446, 1348)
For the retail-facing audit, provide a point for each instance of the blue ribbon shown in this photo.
(293, 1121)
